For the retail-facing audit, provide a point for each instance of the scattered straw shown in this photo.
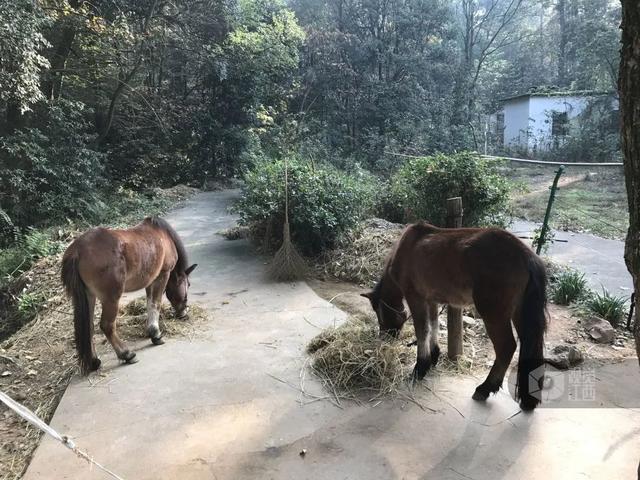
(133, 318)
(352, 361)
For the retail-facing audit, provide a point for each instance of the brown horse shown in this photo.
(489, 268)
(103, 264)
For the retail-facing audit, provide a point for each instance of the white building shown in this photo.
(538, 121)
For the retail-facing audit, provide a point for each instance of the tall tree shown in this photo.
(629, 91)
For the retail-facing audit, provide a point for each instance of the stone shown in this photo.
(563, 356)
(600, 330)
(469, 322)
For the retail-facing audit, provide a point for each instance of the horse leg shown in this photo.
(108, 326)
(418, 309)
(434, 329)
(154, 299)
(499, 330)
(95, 361)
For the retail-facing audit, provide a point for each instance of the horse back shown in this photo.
(113, 261)
(454, 266)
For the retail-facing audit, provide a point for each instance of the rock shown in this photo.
(600, 330)
(469, 322)
(563, 357)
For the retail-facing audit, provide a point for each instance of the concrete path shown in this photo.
(227, 404)
(600, 259)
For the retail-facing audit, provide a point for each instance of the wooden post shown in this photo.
(454, 315)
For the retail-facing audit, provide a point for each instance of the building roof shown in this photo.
(560, 93)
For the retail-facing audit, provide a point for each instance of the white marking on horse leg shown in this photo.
(434, 331)
(424, 350)
(153, 317)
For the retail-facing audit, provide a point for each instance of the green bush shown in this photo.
(19, 257)
(51, 171)
(568, 287)
(607, 306)
(324, 202)
(420, 188)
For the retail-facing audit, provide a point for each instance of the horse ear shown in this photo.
(190, 269)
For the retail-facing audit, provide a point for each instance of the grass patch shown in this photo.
(589, 200)
(568, 287)
(607, 306)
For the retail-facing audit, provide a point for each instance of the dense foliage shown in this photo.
(109, 94)
(95, 96)
(323, 202)
(420, 188)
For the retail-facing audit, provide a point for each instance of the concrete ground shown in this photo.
(228, 404)
(600, 259)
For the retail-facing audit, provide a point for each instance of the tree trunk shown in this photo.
(629, 91)
(53, 84)
(561, 7)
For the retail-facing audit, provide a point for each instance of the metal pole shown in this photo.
(545, 223)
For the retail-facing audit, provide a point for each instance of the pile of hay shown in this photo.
(133, 317)
(236, 233)
(360, 256)
(352, 360)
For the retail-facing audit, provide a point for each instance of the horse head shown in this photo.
(391, 313)
(177, 288)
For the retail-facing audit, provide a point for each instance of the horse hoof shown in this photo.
(129, 357)
(420, 370)
(435, 355)
(157, 340)
(528, 403)
(95, 364)
(479, 396)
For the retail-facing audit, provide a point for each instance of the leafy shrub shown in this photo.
(50, 171)
(19, 257)
(568, 287)
(419, 189)
(324, 202)
(607, 306)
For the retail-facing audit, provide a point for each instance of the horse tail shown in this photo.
(533, 323)
(82, 321)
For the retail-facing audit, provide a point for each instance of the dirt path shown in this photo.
(227, 404)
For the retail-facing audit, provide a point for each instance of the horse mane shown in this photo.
(183, 262)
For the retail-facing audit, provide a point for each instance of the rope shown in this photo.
(566, 164)
(34, 420)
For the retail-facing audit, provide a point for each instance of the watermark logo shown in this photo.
(576, 388)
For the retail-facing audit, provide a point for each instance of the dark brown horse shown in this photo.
(489, 268)
(103, 264)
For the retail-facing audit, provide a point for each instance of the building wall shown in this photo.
(516, 122)
(540, 122)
